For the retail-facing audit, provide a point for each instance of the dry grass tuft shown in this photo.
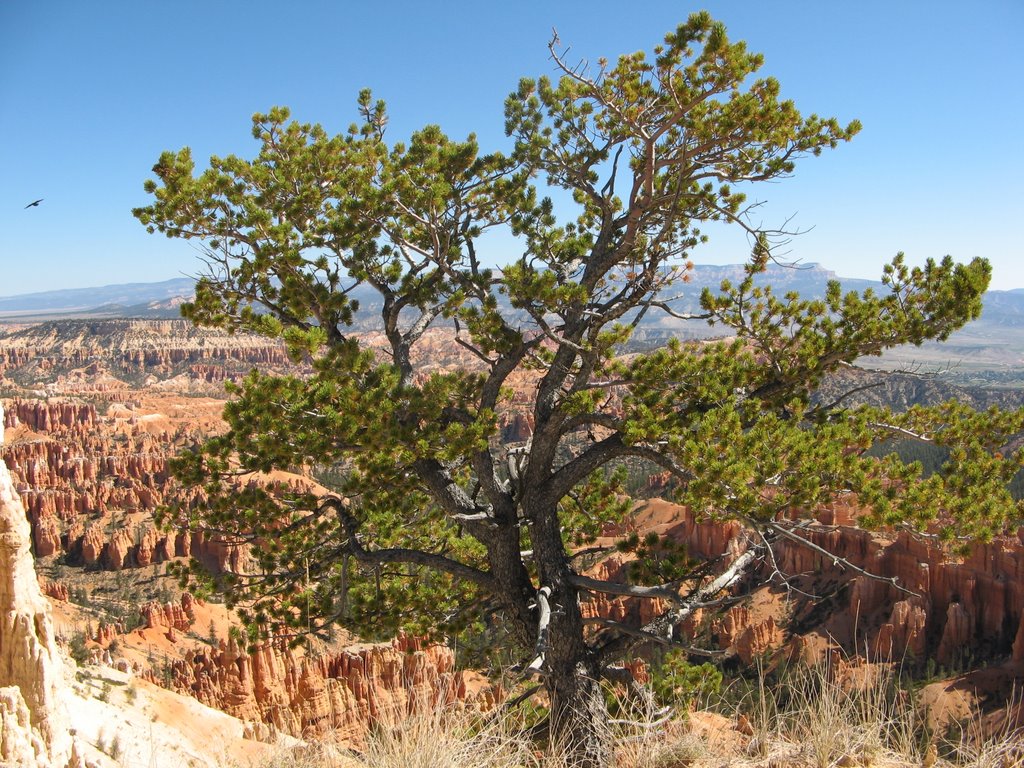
(434, 739)
(440, 740)
(816, 717)
(856, 722)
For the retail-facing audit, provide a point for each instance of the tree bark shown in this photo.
(579, 716)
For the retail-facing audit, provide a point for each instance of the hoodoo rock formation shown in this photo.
(340, 694)
(942, 607)
(132, 347)
(34, 727)
(91, 483)
(339, 690)
(975, 603)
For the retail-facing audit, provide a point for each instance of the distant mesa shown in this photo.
(156, 300)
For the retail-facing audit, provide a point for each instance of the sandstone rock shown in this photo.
(988, 585)
(622, 609)
(20, 745)
(118, 549)
(93, 544)
(77, 466)
(1018, 643)
(79, 486)
(148, 550)
(170, 615)
(758, 639)
(342, 693)
(58, 590)
(986, 588)
(135, 346)
(52, 415)
(47, 537)
(31, 669)
(904, 633)
(515, 426)
(107, 633)
(747, 637)
(956, 635)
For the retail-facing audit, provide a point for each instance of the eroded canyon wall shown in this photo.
(943, 607)
(337, 693)
(34, 725)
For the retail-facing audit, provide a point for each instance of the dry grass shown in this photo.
(816, 718)
(439, 740)
(1004, 749)
(996, 753)
(435, 739)
(821, 719)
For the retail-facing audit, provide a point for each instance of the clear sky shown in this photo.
(91, 92)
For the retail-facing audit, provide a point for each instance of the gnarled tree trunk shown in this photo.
(579, 716)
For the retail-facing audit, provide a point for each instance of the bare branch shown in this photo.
(543, 620)
(902, 431)
(663, 592)
(840, 562)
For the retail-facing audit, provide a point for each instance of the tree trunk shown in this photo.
(579, 718)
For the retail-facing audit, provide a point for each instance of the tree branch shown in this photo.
(662, 592)
(840, 562)
(543, 620)
(353, 546)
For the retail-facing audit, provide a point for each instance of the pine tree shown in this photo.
(437, 525)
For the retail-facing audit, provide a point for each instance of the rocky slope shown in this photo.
(952, 610)
(958, 612)
(54, 714)
(334, 690)
(118, 719)
(336, 693)
(91, 483)
(92, 466)
(901, 391)
(34, 724)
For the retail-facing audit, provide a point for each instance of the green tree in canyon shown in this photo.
(438, 523)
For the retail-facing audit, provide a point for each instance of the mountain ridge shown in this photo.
(93, 297)
(162, 300)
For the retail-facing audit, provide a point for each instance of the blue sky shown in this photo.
(91, 92)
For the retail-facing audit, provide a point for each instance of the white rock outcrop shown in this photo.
(34, 724)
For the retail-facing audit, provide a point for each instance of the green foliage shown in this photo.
(677, 682)
(77, 647)
(659, 559)
(597, 504)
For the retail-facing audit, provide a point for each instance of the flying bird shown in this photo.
(34, 203)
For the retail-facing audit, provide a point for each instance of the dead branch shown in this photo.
(543, 620)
